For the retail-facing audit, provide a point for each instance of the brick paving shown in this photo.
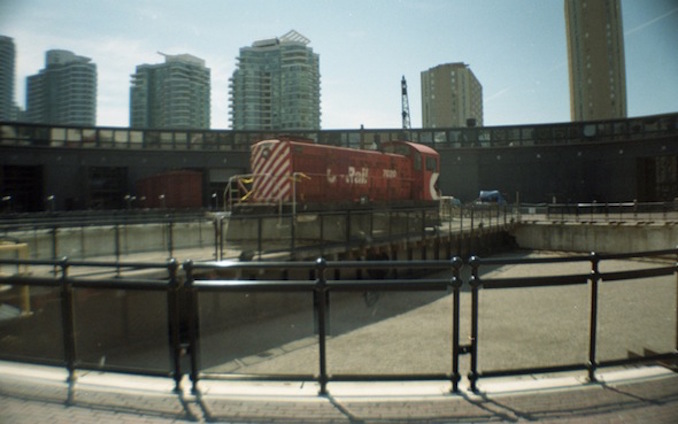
(27, 396)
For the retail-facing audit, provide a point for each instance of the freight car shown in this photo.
(305, 175)
(180, 189)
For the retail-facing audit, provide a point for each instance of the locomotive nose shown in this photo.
(433, 188)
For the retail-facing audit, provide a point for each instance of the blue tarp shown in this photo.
(491, 196)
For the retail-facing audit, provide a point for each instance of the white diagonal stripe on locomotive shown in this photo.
(271, 170)
(273, 180)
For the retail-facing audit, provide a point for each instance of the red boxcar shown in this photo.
(288, 170)
(181, 189)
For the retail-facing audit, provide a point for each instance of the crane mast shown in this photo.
(405, 104)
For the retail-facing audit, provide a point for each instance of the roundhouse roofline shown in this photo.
(416, 146)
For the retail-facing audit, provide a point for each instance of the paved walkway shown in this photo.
(35, 394)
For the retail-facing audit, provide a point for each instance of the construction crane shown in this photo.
(405, 104)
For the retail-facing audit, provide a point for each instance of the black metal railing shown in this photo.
(52, 236)
(89, 276)
(181, 327)
(320, 286)
(593, 279)
(121, 234)
(613, 212)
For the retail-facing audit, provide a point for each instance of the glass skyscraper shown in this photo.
(276, 86)
(7, 68)
(171, 95)
(64, 92)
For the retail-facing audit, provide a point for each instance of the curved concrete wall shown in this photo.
(600, 238)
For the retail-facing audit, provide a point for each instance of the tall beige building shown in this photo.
(451, 96)
(595, 47)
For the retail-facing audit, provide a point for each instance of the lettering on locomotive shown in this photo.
(357, 177)
(390, 173)
(352, 176)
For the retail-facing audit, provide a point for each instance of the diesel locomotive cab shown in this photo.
(425, 167)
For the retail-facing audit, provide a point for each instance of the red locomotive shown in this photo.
(288, 171)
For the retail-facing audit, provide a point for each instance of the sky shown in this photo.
(516, 49)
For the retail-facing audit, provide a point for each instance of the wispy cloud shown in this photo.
(651, 22)
(498, 93)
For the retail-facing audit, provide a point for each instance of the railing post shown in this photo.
(260, 236)
(221, 237)
(67, 320)
(595, 278)
(348, 230)
(54, 245)
(170, 238)
(54, 231)
(460, 239)
(321, 216)
(116, 229)
(321, 290)
(475, 285)
(472, 234)
(174, 321)
(456, 283)
(216, 238)
(192, 318)
(293, 233)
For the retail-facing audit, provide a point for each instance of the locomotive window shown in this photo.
(431, 164)
(416, 159)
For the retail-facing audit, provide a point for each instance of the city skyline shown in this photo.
(517, 49)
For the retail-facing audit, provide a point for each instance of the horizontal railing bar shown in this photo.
(418, 264)
(332, 377)
(333, 285)
(648, 253)
(637, 273)
(120, 284)
(254, 285)
(554, 280)
(532, 261)
(37, 262)
(112, 264)
(252, 265)
(20, 280)
(109, 283)
(389, 377)
(388, 285)
(101, 271)
(256, 265)
(256, 377)
(80, 264)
